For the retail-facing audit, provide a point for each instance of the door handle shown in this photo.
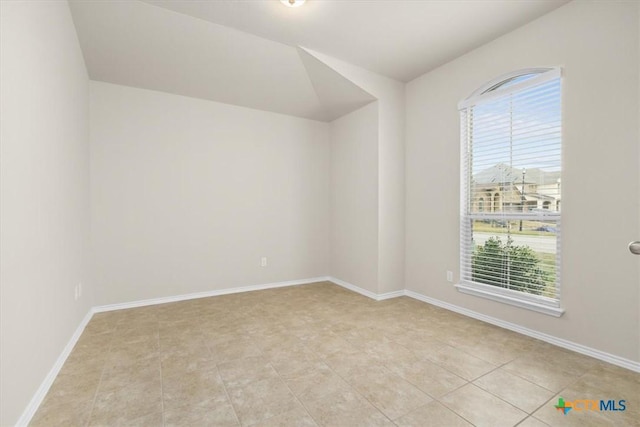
(634, 247)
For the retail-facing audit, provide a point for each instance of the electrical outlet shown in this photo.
(75, 293)
(263, 261)
(449, 276)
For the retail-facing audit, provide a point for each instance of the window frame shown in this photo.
(494, 89)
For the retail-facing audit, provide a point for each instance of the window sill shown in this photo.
(507, 299)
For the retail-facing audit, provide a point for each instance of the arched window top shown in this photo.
(512, 81)
(510, 125)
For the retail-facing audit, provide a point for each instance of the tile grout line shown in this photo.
(541, 386)
(537, 419)
(351, 386)
(524, 379)
(459, 415)
(529, 414)
(226, 392)
(464, 385)
(294, 395)
(104, 369)
(224, 386)
(472, 382)
(467, 382)
(438, 399)
(340, 376)
(433, 363)
(161, 376)
(409, 381)
(550, 400)
(291, 391)
(555, 393)
(463, 351)
(362, 348)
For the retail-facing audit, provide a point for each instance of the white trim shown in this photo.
(389, 295)
(569, 345)
(519, 299)
(481, 95)
(536, 216)
(491, 90)
(196, 295)
(365, 292)
(354, 288)
(42, 391)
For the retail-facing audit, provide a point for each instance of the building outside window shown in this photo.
(511, 156)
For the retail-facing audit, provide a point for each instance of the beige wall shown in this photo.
(392, 188)
(389, 170)
(596, 43)
(44, 166)
(187, 195)
(354, 198)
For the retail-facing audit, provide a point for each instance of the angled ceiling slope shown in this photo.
(141, 45)
(401, 39)
(339, 95)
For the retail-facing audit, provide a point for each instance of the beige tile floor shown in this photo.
(321, 355)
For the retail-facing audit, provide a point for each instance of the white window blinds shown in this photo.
(511, 189)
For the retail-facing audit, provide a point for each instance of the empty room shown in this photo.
(319, 213)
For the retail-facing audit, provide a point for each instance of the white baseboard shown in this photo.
(227, 291)
(560, 342)
(365, 292)
(354, 288)
(389, 295)
(42, 391)
(38, 397)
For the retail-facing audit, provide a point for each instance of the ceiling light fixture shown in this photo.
(292, 3)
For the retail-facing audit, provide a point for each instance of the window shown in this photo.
(511, 135)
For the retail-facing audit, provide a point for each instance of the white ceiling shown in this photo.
(245, 52)
(136, 44)
(401, 39)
